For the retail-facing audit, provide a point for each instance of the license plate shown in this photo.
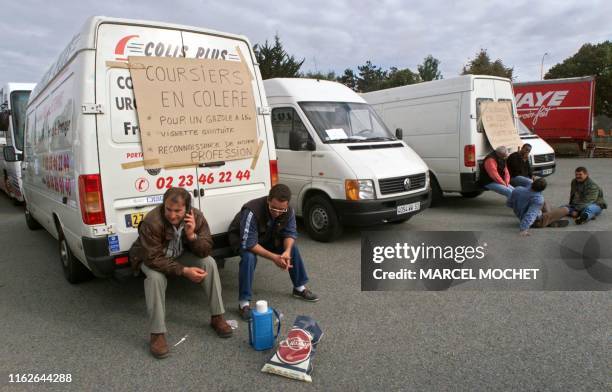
(133, 220)
(547, 171)
(406, 208)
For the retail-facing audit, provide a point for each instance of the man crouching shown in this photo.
(164, 236)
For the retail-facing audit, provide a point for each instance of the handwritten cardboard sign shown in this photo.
(499, 125)
(193, 111)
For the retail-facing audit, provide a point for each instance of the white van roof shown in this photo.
(86, 39)
(12, 86)
(435, 87)
(310, 90)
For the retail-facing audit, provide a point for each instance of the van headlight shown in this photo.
(427, 180)
(359, 189)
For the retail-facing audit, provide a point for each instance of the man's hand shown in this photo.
(281, 262)
(194, 274)
(190, 226)
(574, 214)
(286, 256)
(524, 233)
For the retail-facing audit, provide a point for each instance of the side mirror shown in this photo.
(399, 133)
(5, 115)
(10, 155)
(299, 141)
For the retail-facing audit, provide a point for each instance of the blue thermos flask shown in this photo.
(261, 326)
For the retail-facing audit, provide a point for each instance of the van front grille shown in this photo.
(543, 158)
(396, 184)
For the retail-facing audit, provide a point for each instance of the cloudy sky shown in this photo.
(331, 35)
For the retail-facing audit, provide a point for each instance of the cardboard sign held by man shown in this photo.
(193, 111)
(499, 125)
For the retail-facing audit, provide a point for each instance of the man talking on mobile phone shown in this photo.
(174, 239)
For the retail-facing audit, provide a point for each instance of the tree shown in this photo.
(331, 75)
(400, 77)
(591, 59)
(482, 65)
(429, 69)
(371, 77)
(349, 79)
(275, 62)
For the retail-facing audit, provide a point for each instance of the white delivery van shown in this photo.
(82, 126)
(440, 121)
(342, 164)
(542, 155)
(13, 101)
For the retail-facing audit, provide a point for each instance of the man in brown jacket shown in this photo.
(164, 237)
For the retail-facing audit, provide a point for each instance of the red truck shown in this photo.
(558, 110)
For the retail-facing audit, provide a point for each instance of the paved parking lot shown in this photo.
(458, 340)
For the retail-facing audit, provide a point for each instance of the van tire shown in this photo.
(471, 195)
(436, 192)
(74, 270)
(321, 219)
(30, 221)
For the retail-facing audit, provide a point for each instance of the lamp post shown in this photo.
(542, 66)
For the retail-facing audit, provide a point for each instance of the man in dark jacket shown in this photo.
(586, 197)
(164, 237)
(266, 227)
(521, 173)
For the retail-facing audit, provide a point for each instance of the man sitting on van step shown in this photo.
(586, 197)
(266, 227)
(494, 174)
(529, 206)
(165, 236)
(521, 173)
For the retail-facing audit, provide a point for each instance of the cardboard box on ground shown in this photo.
(499, 125)
(193, 111)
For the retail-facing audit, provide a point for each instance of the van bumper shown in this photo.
(371, 212)
(469, 182)
(541, 170)
(100, 261)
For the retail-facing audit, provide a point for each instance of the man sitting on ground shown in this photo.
(586, 197)
(494, 174)
(521, 173)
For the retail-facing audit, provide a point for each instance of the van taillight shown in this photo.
(274, 172)
(90, 196)
(469, 155)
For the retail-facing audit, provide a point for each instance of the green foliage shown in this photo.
(275, 62)
(482, 65)
(331, 75)
(591, 59)
(429, 69)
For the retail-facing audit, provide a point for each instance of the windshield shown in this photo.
(523, 130)
(344, 122)
(19, 101)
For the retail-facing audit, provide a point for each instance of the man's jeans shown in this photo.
(521, 181)
(499, 188)
(590, 211)
(248, 262)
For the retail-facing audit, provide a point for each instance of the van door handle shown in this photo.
(201, 192)
(195, 193)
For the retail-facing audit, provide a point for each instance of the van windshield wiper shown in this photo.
(381, 138)
(345, 140)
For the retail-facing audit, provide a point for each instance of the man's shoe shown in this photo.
(581, 219)
(306, 295)
(221, 327)
(245, 312)
(559, 223)
(159, 347)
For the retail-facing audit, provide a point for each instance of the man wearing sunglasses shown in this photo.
(266, 227)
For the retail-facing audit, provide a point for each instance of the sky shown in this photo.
(331, 35)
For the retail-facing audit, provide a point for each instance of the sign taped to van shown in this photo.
(193, 111)
(499, 126)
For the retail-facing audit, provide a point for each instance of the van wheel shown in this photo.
(321, 220)
(471, 195)
(436, 192)
(74, 270)
(30, 221)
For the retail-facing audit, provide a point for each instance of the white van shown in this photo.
(440, 120)
(82, 126)
(13, 101)
(341, 162)
(542, 156)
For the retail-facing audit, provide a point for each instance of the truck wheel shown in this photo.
(74, 270)
(436, 192)
(471, 195)
(321, 220)
(30, 221)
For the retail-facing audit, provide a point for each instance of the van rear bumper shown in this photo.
(371, 212)
(469, 182)
(100, 261)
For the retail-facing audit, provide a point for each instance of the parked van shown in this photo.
(339, 159)
(82, 126)
(13, 101)
(440, 121)
(542, 156)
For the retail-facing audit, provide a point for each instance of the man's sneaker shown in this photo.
(221, 327)
(306, 295)
(245, 312)
(582, 219)
(158, 346)
(559, 223)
